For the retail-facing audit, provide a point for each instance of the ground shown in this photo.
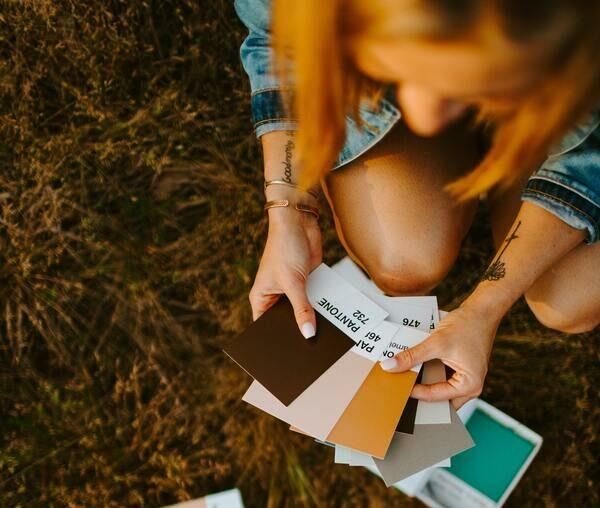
(130, 231)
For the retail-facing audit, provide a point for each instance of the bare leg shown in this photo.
(392, 214)
(567, 296)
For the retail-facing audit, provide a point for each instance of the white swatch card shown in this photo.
(360, 459)
(374, 343)
(342, 455)
(226, 499)
(404, 339)
(438, 412)
(342, 304)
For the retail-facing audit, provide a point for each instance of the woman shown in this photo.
(391, 88)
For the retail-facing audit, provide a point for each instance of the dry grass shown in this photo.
(130, 230)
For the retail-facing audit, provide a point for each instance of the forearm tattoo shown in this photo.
(497, 270)
(287, 163)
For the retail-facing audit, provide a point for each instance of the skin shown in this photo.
(395, 192)
(297, 234)
(543, 258)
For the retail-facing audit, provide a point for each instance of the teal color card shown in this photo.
(496, 458)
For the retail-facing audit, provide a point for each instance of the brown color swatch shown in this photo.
(406, 424)
(368, 423)
(274, 352)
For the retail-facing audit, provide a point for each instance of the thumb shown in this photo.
(411, 357)
(303, 311)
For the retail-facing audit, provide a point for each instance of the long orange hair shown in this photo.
(312, 38)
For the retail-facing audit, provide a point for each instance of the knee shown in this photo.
(398, 275)
(561, 318)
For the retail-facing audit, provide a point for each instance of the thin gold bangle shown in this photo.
(301, 207)
(308, 209)
(292, 185)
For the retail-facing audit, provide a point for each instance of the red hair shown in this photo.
(312, 40)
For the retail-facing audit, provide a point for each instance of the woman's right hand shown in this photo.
(292, 251)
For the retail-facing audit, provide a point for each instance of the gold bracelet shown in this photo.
(279, 203)
(292, 185)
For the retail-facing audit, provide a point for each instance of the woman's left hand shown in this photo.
(464, 342)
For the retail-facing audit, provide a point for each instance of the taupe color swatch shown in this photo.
(319, 407)
(434, 371)
(430, 443)
(274, 352)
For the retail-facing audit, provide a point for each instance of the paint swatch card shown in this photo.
(437, 412)
(412, 311)
(370, 420)
(226, 499)
(416, 412)
(342, 455)
(274, 352)
(342, 304)
(350, 457)
(430, 444)
(399, 309)
(321, 405)
(420, 412)
(407, 420)
(432, 372)
(360, 459)
(368, 423)
(403, 340)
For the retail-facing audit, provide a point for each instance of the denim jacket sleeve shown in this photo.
(268, 113)
(568, 183)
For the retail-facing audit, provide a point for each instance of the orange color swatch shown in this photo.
(368, 423)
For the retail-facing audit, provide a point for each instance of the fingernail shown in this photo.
(389, 364)
(308, 330)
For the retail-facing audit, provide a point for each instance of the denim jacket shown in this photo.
(567, 184)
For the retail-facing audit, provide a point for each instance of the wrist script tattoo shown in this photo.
(497, 270)
(287, 163)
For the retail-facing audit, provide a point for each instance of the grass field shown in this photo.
(130, 231)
